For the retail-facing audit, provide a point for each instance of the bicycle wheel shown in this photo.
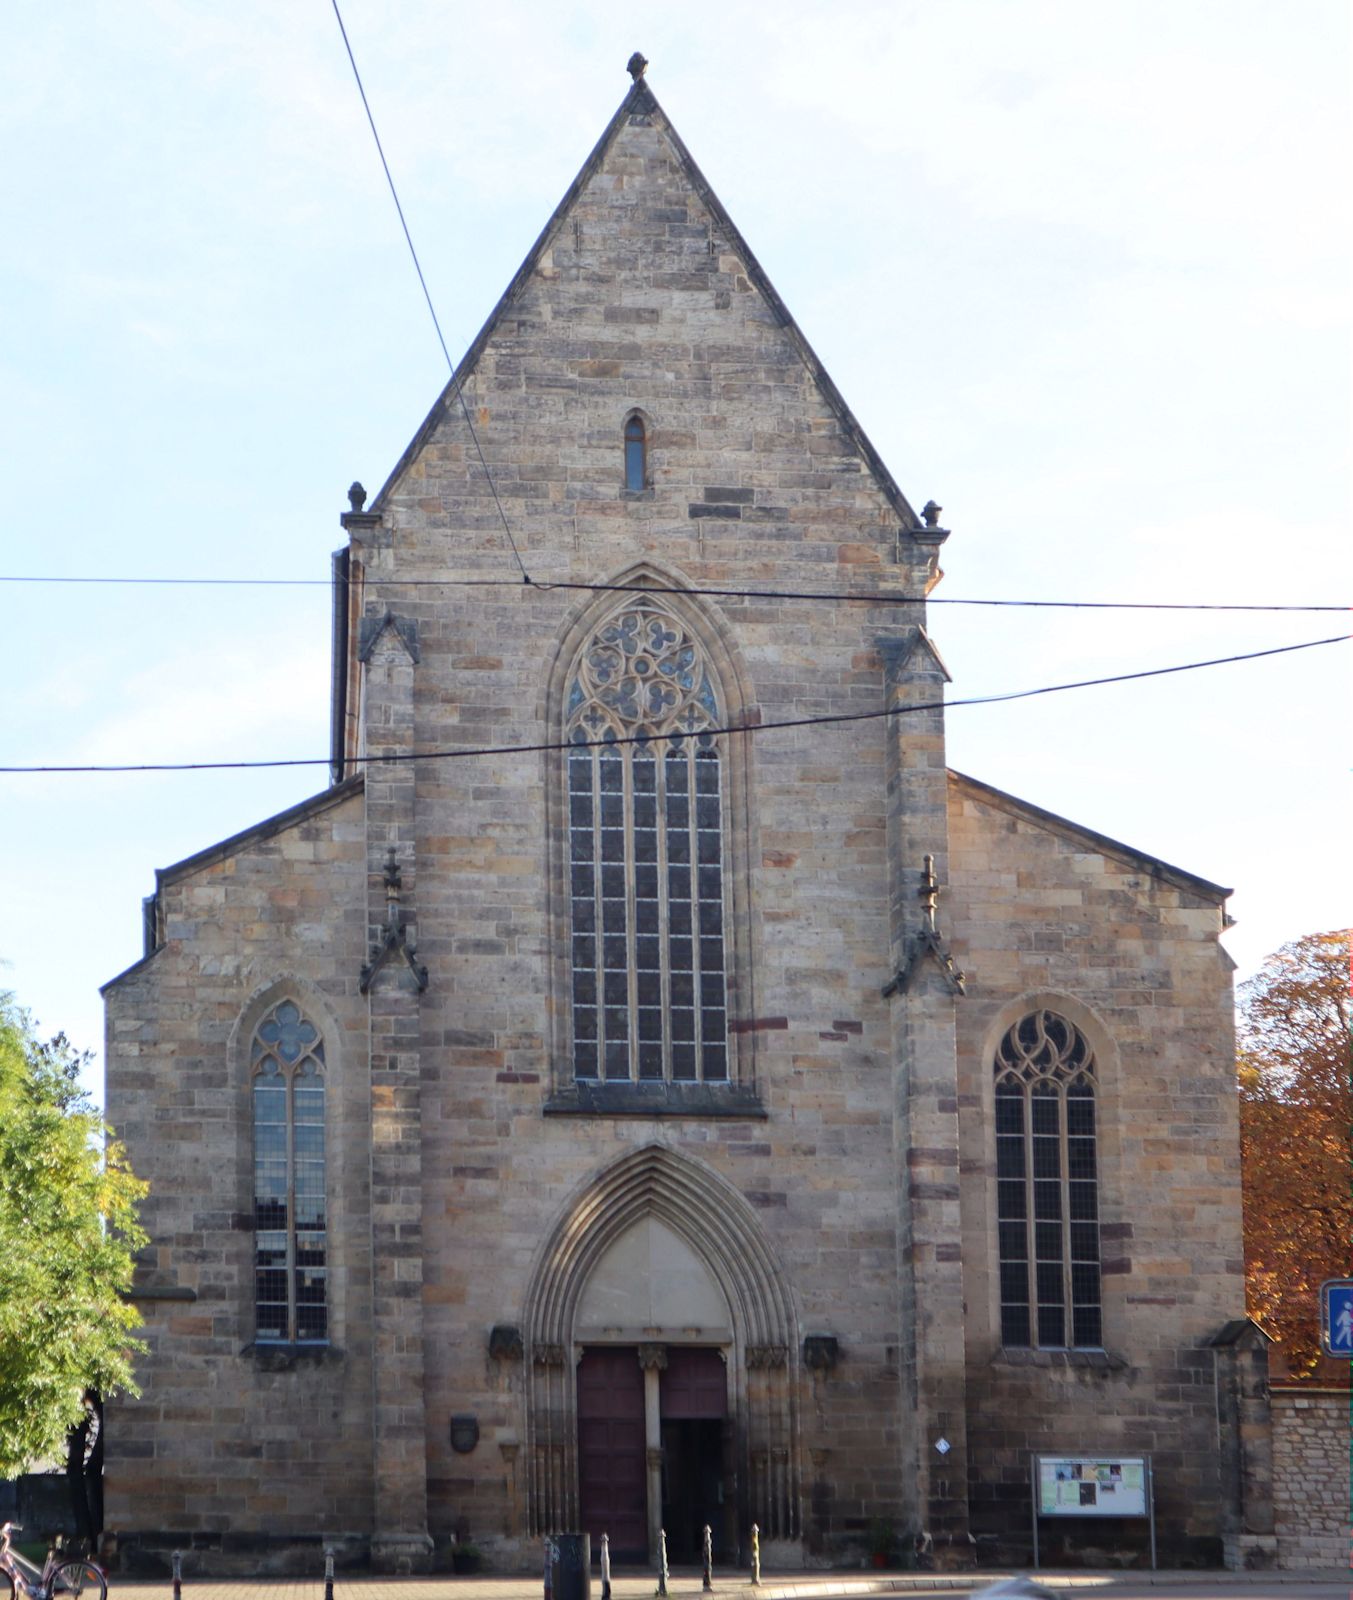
(7, 1590)
(79, 1580)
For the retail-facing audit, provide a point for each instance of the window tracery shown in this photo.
(1047, 1186)
(646, 854)
(286, 1057)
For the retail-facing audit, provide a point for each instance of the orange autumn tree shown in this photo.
(1296, 1128)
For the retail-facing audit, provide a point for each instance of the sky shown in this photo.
(1081, 268)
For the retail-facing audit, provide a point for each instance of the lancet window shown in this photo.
(1047, 1185)
(646, 854)
(290, 1250)
(636, 453)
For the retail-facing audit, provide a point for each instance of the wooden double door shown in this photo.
(686, 1466)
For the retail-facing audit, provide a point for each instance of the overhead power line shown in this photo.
(826, 720)
(417, 266)
(636, 588)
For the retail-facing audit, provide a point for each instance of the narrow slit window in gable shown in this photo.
(636, 454)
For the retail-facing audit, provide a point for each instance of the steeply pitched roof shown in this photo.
(1024, 809)
(641, 101)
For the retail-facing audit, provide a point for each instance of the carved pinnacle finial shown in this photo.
(636, 66)
(356, 496)
(932, 514)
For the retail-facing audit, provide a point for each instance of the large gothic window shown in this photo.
(290, 1260)
(1047, 1185)
(646, 855)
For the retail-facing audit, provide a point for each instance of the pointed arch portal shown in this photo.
(660, 1236)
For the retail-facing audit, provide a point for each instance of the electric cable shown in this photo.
(559, 745)
(652, 589)
(451, 366)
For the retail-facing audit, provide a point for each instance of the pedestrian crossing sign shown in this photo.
(1336, 1316)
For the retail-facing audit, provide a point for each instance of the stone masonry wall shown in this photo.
(640, 300)
(230, 1448)
(1042, 915)
(1311, 1434)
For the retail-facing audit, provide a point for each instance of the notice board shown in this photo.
(1092, 1486)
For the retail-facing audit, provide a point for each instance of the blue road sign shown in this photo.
(1336, 1316)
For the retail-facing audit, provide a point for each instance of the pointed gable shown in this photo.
(641, 296)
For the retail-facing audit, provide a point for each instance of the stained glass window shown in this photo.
(646, 855)
(1047, 1186)
(290, 1250)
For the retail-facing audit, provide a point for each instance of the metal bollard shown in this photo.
(328, 1572)
(707, 1577)
(176, 1561)
(662, 1563)
(756, 1556)
(605, 1567)
(549, 1568)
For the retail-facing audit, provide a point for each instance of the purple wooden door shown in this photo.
(693, 1384)
(612, 1483)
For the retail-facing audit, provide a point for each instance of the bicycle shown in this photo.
(58, 1580)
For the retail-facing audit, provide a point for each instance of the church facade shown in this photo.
(647, 1089)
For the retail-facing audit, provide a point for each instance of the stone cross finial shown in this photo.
(636, 66)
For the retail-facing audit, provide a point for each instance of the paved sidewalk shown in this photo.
(846, 1585)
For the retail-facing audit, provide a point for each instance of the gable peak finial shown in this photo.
(636, 66)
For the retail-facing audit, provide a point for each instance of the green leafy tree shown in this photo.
(1296, 1124)
(68, 1232)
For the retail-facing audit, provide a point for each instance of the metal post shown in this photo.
(756, 1555)
(177, 1566)
(707, 1578)
(662, 1563)
(328, 1572)
(549, 1568)
(1035, 1480)
(605, 1567)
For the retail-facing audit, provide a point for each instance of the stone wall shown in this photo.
(1312, 1429)
(233, 1451)
(1044, 913)
(642, 299)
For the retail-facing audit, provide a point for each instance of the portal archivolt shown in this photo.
(715, 1225)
